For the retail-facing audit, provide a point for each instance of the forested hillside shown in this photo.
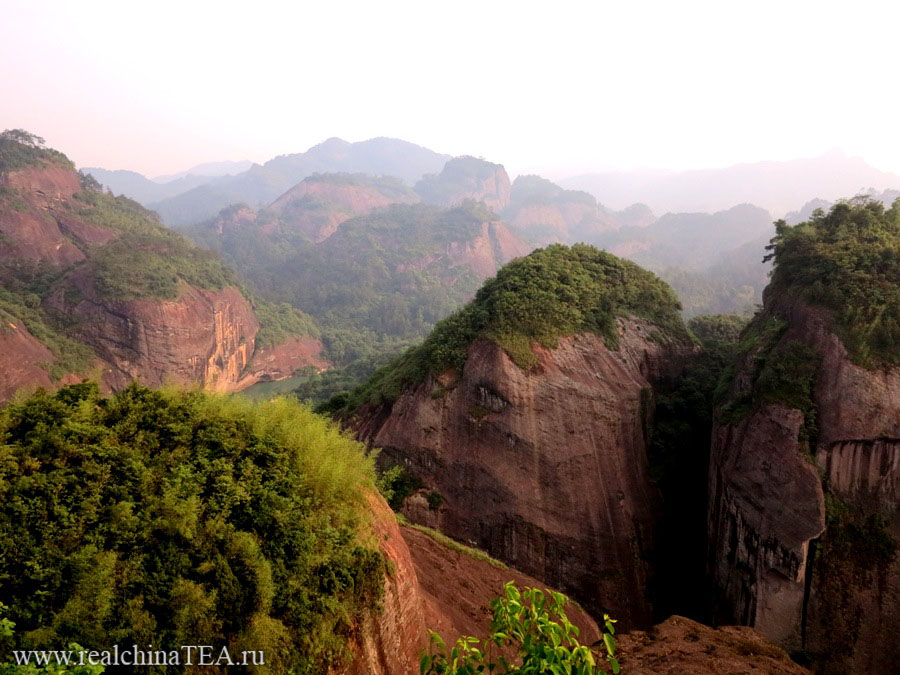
(81, 271)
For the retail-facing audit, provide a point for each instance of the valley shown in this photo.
(323, 405)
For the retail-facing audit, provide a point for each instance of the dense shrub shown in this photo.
(173, 518)
(19, 149)
(847, 260)
(551, 293)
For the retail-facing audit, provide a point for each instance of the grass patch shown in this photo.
(453, 545)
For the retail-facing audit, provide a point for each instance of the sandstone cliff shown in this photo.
(467, 178)
(544, 469)
(23, 359)
(56, 243)
(319, 204)
(203, 336)
(828, 590)
(434, 586)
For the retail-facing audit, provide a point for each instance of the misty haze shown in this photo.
(398, 338)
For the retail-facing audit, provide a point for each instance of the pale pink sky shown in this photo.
(559, 87)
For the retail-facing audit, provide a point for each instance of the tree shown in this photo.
(533, 624)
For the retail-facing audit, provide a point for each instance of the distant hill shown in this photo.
(541, 212)
(712, 260)
(263, 183)
(226, 168)
(776, 186)
(140, 188)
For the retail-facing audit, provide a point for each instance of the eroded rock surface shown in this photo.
(546, 469)
(775, 564)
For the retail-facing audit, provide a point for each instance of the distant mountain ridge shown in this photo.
(224, 168)
(778, 187)
(141, 189)
(261, 184)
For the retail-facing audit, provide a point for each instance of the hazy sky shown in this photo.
(552, 86)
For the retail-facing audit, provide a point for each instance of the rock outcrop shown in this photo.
(52, 230)
(459, 588)
(809, 577)
(545, 469)
(23, 359)
(467, 178)
(203, 336)
(679, 645)
(449, 590)
(319, 204)
(389, 642)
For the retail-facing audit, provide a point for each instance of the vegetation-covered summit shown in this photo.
(181, 518)
(848, 261)
(19, 149)
(551, 293)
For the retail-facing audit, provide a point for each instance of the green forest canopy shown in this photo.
(848, 261)
(548, 294)
(170, 518)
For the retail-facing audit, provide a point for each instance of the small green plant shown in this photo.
(533, 624)
(435, 499)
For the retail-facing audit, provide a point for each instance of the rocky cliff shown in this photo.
(23, 359)
(467, 178)
(541, 212)
(89, 281)
(205, 336)
(319, 204)
(804, 515)
(545, 469)
(449, 590)
(803, 509)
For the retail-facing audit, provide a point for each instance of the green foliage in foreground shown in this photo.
(848, 261)
(7, 634)
(170, 518)
(551, 293)
(532, 624)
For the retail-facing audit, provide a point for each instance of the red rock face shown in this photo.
(556, 222)
(203, 336)
(767, 508)
(282, 361)
(489, 251)
(317, 208)
(27, 220)
(21, 359)
(389, 642)
(546, 469)
(467, 178)
(434, 587)
(458, 590)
